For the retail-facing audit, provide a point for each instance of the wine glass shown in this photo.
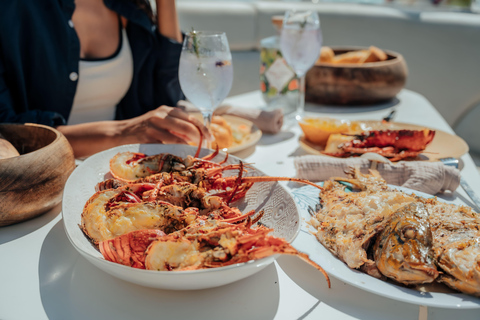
(300, 43)
(206, 71)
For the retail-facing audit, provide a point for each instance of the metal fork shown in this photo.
(454, 163)
(313, 211)
(390, 116)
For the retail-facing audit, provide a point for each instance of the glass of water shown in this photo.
(206, 71)
(300, 43)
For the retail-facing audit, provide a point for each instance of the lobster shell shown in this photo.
(411, 140)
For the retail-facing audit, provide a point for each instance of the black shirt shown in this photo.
(40, 53)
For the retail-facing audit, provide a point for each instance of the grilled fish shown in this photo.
(403, 250)
(456, 245)
(348, 221)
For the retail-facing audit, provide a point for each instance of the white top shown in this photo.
(101, 85)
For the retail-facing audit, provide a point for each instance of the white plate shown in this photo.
(308, 196)
(443, 145)
(281, 214)
(250, 139)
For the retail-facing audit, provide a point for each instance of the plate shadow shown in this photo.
(73, 288)
(19, 230)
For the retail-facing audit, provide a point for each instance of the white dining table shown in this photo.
(43, 277)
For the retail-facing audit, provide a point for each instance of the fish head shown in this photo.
(403, 250)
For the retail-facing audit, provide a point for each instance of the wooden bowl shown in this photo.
(32, 183)
(356, 84)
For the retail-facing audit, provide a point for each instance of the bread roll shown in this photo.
(358, 56)
(334, 141)
(222, 132)
(326, 55)
(375, 54)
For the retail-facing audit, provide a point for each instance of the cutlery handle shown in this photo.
(470, 193)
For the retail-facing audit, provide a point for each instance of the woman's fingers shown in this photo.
(178, 113)
(163, 136)
(178, 123)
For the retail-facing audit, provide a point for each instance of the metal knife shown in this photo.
(454, 162)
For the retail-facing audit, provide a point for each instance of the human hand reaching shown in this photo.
(163, 125)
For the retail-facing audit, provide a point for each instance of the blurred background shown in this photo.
(439, 40)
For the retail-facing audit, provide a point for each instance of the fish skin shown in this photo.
(403, 250)
(460, 273)
(348, 222)
(456, 245)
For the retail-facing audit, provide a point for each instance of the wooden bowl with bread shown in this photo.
(35, 162)
(355, 76)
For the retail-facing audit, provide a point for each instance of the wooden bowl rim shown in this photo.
(58, 136)
(397, 57)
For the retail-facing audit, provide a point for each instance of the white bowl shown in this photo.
(281, 214)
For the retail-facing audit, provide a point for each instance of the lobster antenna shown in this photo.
(200, 143)
(238, 182)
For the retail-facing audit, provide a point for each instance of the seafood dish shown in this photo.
(456, 245)
(231, 133)
(227, 134)
(205, 245)
(169, 213)
(399, 237)
(394, 145)
(343, 138)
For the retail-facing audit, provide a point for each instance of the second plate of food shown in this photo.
(443, 145)
(433, 295)
(233, 134)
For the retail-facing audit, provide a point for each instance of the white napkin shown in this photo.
(267, 121)
(428, 177)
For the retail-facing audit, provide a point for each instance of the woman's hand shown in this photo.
(162, 125)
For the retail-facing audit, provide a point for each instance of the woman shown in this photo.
(65, 63)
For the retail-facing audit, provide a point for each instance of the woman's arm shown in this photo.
(162, 125)
(168, 20)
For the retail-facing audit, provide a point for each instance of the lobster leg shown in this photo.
(224, 160)
(211, 155)
(199, 143)
(243, 184)
(286, 248)
(237, 184)
(267, 179)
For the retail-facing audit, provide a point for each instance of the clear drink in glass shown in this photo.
(300, 42)
(206, 71)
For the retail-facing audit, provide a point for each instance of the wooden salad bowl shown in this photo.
(356, 84)
(32, 182)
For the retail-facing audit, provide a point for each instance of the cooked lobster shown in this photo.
(211, 244)
(393, 144)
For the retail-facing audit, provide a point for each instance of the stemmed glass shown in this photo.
(300, 43)
(206, 71)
